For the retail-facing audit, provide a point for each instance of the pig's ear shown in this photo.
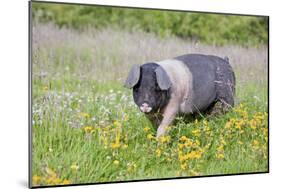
(133, 77)
(163, 79)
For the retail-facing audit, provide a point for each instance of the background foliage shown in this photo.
(208, 28)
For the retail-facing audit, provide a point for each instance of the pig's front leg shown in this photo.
(169, 115)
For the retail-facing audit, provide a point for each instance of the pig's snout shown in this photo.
(145, 108)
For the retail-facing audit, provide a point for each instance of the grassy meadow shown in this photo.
(87, 129)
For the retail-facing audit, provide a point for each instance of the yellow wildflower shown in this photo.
(223, 141)
(146, 129)
(196, 132)
(184, 166)
(220, 148)
(124, 146)
(88, 129)
(131, 167)
(239, 125)
(228, 125)
(74, 167)
(196, 143)
(220, 156)
(116, 162)
(181, 146)
(189, 143)
(117, 124)
(65, 181)
(253, 124)
(83, 114)
(150, 136)
(50, 180)
(255, 144)
(164, 139)
(169, 159)
(158, 152)
(182, 157)
(115, 145)
(56, 181)
(183, 138)
(194, 154)
(36, 179)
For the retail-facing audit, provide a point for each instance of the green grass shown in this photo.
(86, 128)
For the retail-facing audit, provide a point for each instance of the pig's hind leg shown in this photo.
(225, 96)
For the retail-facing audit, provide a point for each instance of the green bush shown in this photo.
(208, 28)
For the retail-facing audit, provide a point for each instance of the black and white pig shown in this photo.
(191, 83)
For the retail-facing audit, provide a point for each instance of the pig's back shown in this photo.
(203, 70)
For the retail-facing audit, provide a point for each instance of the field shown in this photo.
(87, 129)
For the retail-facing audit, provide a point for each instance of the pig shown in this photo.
(187, 84)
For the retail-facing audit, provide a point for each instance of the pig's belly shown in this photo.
(191, 106)
(186, 107)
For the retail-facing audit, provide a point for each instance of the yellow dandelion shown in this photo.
(150, 136)
(117, 124)
(124, 146)
(65, 182)
(223, 141)
(36, 179)
(194, 155)
(239, 125)
(184, 166)
(220, 148)
(146, 129)
(196, 132)
(164, 139)
(182, 158)
(131, 167)
(158, 152)
(255, 144)
(189, 143)
(115, 145)
(183, 138)
(228, 125)
(50, 180)
(57, 181)
(197, 143)
(74, 167)
(84, 115)
(180, 146)
(88, 129)
(220, 156)
(116, 162)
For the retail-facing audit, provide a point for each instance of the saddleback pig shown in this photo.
(192, 83)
